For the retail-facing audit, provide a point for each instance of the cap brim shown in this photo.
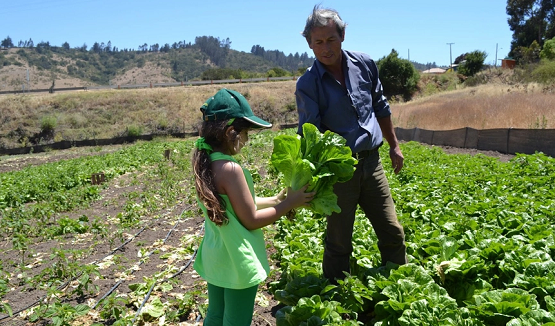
(258, 122)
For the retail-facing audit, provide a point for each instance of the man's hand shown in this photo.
(397, 159)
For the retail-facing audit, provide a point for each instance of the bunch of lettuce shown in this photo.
(318, 159)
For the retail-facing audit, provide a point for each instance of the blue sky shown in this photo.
(418, 30)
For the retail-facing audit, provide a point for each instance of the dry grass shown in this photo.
(483, 107)
(109, 113)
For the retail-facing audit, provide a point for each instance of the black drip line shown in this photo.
(62, 286)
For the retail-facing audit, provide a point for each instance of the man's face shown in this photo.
(326, 44)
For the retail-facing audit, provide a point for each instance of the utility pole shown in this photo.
(496, 44)
(450, 55)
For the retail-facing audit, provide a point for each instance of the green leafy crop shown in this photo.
(318, 159)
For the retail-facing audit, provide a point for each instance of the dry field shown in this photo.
(98, 114)
(482, 107)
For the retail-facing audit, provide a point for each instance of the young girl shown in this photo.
(232, 255)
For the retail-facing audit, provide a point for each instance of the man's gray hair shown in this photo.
(320, 17)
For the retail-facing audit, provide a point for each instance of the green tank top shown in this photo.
(230, 255)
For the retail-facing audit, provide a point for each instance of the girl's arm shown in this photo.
(230, 181)
(264, 202)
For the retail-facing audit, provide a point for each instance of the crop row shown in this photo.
(479, 235)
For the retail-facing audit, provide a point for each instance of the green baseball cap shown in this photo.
(228, 104)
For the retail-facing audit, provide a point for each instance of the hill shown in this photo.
(208, 58)
(37, 67)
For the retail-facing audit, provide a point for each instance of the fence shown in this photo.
(508, 141)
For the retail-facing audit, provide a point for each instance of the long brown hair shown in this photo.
(214, 135)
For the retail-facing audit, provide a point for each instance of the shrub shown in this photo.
(398, 76)
(548, 51)
(544, 73)
(48, 124)
(474, 61)
(476, 80)
(134, 130)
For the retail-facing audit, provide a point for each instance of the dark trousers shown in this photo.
(368, 188)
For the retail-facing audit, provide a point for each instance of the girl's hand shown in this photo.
(299, 198)
(282, 195)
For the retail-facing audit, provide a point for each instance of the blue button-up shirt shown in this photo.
(353, 114)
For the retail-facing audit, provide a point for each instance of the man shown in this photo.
(342, 93)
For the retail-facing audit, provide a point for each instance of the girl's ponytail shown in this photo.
(205, 185)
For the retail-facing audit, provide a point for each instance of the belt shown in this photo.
(362, 154)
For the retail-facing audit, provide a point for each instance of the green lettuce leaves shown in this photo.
(319, 159)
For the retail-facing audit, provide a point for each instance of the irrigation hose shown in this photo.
(182, 269)
(62, 286)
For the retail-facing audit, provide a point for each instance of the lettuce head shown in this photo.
(319, 159)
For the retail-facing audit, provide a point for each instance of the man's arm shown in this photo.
(397, 159)
(307, 107)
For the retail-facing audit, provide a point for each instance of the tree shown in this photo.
(398, 76)
(548, 51)
(474, 61)
(7, 43)
(96, 48)
(215, 48)
(155, 47)
(65, 46)
(528, 54)
(530, 20)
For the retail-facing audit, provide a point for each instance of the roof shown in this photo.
(434, 71)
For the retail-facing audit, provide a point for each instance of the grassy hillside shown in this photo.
(38, 67)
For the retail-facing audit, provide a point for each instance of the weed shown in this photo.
(48, 124)
(134, 130)
(539, 124)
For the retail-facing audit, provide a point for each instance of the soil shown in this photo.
(128, 268)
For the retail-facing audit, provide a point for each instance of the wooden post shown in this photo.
(167, 153)
(97, 178)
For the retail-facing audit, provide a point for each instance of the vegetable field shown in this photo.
(479, 236)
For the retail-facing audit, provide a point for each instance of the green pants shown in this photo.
(230, 307)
